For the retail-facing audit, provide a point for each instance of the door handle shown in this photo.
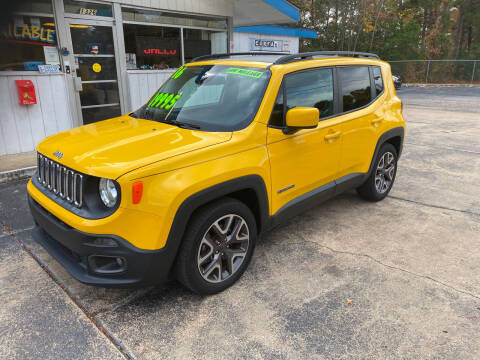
(376, 121)
(332, 136)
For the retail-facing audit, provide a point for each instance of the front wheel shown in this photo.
(380, 181)
(217, 247)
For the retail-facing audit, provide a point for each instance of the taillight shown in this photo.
(137, 191)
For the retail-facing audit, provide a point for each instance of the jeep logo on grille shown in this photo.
(58, 154)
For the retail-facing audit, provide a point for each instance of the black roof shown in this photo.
(276, 58)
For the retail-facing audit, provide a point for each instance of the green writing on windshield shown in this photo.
(179, 72)
(245, 72)
(163, 100)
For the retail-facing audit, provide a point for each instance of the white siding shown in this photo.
(23, 126)
(142, 84)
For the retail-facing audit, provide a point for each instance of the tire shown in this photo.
(382, 177)
(211, 257)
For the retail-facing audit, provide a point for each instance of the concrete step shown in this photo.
(17, 166)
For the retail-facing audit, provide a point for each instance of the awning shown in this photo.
(264, 12)
(278, 30)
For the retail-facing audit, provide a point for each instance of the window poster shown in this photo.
(51, 55)
(152, 46)
(131, 61)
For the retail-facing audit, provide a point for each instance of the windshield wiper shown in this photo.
(183, 125)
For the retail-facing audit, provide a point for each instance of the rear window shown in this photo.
(377, 78)
(355, 88)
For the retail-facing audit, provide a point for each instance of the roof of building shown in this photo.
(278, 30)
(261, 12)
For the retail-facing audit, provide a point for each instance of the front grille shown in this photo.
(60, 180)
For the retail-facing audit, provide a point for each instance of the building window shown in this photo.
(203, 42)
(161, 17)
(28, 41)
(35, 6)
(159, 45)
(152, 47)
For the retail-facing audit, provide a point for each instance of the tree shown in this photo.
(395, 29)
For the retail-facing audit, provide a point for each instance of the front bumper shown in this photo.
(80, 255)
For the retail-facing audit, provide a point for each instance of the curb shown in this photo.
(440, 85)
(17, 174)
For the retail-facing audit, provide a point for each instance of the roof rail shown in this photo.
(310, 55)
(219, 56)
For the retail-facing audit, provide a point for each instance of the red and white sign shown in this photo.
(26, 92)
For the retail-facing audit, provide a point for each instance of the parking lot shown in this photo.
(347, 279)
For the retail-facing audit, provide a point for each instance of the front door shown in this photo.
(97, 89)
(308, 159)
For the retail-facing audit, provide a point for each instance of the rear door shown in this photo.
(309, 158)
(360, 121)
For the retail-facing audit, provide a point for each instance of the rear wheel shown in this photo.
(217, 247)
(381, 180)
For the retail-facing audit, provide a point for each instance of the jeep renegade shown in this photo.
(229, 146)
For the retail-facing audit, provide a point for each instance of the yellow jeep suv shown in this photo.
(228, 147)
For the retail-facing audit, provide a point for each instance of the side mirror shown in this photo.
(301, 118)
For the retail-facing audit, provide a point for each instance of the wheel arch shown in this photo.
(393, 136)
(250, 189)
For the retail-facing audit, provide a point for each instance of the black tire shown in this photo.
(187, 268)
(369, 190)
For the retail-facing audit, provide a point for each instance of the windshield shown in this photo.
(209, 98)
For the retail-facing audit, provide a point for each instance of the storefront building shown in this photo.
(64, 63)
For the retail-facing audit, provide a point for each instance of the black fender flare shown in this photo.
(203, 197)
(397, 131)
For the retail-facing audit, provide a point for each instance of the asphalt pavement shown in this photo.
(347, 279)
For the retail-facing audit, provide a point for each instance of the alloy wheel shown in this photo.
(223, 248)
(385, 172)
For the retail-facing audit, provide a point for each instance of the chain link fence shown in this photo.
(437, 71)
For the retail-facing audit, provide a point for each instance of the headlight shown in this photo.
(108, 192)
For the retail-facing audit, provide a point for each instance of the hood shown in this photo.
(113, 147)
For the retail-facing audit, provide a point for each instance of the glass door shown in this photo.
(94, 53)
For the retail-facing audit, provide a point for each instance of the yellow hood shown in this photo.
(113, 147)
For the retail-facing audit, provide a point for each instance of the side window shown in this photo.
(311, 88)
(276, 119)
(377, 78)
(355, 86)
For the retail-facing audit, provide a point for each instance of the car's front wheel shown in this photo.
(382, 177)
(217, 247)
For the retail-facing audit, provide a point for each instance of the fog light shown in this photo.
(107, 242)
(102, 264)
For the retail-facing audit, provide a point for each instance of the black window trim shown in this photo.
(372, 84)
(283, 87)
(337, 98)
